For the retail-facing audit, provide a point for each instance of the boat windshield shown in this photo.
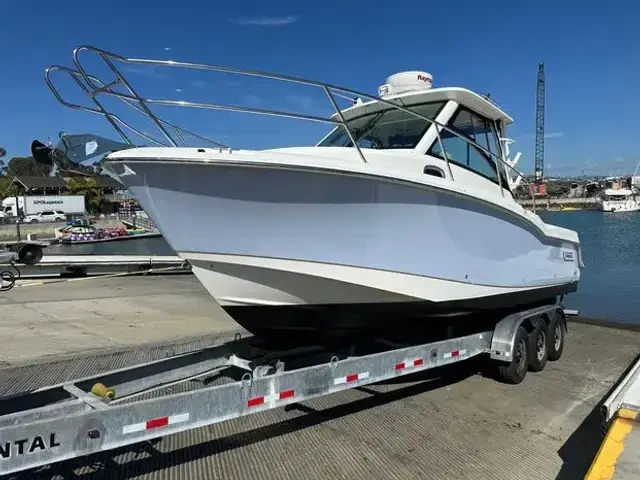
(616, 198)
(387, 129)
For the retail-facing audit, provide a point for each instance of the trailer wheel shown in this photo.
(538, 347)
(555, 337)
(515, 371)
(30, 254)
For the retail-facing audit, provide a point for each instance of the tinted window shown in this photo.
(388, 129)
(461, 152)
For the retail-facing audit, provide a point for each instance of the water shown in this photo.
(610, 284)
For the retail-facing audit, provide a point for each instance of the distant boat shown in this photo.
(619, 200)
(81, 234)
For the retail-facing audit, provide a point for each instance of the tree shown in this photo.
(26, 167)
(89, 188)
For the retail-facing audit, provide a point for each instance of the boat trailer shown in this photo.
(27, 252)
(182, 392)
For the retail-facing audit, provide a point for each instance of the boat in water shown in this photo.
(402, 215)
(619, 200)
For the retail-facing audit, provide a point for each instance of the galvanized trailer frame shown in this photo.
(106, 411)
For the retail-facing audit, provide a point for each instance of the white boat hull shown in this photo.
(626, 206)
(264, 239)
(254, 281)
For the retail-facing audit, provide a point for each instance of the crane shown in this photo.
(539, 150)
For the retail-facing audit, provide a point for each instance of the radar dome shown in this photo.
(404, 82)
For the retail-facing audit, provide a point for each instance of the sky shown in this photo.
(590, 52)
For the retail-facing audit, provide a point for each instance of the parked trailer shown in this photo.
(115, 409)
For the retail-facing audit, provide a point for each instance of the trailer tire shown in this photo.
(30, 254)
(538, 346)
(515, 371)
(556, 333)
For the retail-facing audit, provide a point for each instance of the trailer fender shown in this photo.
(504, 334)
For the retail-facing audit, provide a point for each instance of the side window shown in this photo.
(461, 152)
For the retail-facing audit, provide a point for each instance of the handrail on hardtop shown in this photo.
(93, 87)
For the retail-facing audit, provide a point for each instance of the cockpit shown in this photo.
(388, 128)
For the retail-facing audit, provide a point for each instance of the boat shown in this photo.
(402, 215)
(619, 199)
(75, 230)
(82, 233)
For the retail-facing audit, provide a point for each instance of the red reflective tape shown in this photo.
(418, 362)
(352, 378)
(455, 353)
(399, 366)
(255, 401)
(157, 422)
(287, 394)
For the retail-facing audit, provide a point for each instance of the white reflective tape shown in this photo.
(460, 354)
(142, 426)
(416, 362)
(350, 378)
(181, 417)
(136, 427)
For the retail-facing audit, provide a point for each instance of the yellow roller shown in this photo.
(101, 390)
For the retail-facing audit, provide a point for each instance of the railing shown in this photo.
(117, 196)
(140, 219)
(94, 87)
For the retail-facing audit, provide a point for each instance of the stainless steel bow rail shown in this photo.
(94, 87)
(134, 404)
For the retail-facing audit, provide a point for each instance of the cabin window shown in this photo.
(387, 129)
(466, 155)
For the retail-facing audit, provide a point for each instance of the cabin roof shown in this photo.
(103, 181)
(463, 96)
